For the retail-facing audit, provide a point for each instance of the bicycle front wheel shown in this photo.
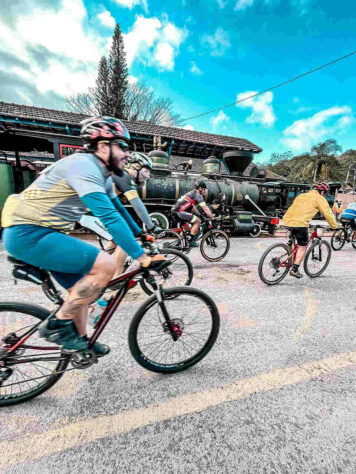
(215, 245)
(36, 365)
(170, 239)
(275, 263)
(196, 322)
(338, 239)
(317, 258)
(179, 273)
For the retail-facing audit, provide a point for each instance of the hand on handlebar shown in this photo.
(147, 238)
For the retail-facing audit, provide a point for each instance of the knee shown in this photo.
(198, 221)
(105, 266)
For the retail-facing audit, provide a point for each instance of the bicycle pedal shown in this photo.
(82, 359)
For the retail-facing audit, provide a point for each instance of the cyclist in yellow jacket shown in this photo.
(300, 213)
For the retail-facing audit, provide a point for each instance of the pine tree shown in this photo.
(102, 98)
(118, 75)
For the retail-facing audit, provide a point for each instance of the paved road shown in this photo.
(275, 395)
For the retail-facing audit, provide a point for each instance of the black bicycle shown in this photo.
(170, 332)
(346, 234)
(214, 242)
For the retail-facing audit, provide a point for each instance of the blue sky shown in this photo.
(201, 54)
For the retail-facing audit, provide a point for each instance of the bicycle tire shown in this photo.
(173, 295)
(265, 280)
(205, 242)
(41, 314)
(338, 234)
(309, 253)
(353, 244)
(182, 257)
(162, 240)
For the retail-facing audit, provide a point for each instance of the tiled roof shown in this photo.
(143, 128)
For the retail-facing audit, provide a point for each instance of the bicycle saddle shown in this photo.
(27, 272)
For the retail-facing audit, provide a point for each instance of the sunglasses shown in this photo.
(123, 145)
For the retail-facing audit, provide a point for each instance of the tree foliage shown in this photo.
(321, 163)
(113, 95)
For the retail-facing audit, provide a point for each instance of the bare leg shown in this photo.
(196, 226)
(87, 290)
(300, 255)
(120, 259)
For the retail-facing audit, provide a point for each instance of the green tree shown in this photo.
(118, 75)
(102, 92)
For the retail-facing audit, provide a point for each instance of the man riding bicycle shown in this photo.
(136, 172)
(300, 213)
(191, 201)
(35, 221)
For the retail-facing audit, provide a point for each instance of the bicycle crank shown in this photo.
(83, 359)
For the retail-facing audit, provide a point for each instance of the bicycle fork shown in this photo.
(169, 324)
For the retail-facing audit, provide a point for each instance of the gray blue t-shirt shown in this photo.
(53, 199)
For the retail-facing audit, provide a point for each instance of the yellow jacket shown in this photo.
(305, 207)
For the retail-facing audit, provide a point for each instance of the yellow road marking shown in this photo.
(311, 310)
(67, 434)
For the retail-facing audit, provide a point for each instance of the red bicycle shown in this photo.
(279, 258)
(170, 332)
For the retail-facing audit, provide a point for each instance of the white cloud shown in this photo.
(58, 52)
(153, 41)
(195, 69)
(218, 42)
(304, 133)
(242, 4)
(132, 3)
(262, 110)
(107, 19)
(132, 80)
(188, 127)
(165, 55)
(219, 119)
(222, 3)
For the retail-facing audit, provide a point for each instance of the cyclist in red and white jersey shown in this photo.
(190, 202)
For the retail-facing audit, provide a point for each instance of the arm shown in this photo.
(324, 208)
(206, 209)
(102, 207)
(123, 212)
(141, 211)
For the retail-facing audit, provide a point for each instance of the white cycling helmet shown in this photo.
(141, 159)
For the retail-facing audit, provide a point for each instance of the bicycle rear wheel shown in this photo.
(196, 325)
(338, 239)
(36, 365)
(170, 239)
(317, 258)
(269, 268)
(215, 245)
(179, 273)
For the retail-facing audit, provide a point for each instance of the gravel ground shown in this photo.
(271, 424)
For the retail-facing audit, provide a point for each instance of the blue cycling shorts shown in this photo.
(67, 258)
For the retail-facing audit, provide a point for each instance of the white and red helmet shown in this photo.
(103, 128)
(321, 187)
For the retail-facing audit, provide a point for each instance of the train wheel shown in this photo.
(159, 219)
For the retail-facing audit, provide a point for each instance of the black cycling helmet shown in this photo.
(200, 184)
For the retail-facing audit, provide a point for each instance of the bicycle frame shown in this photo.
(288, 263)
(130, 280)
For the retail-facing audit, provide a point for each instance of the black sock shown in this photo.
(295, 267)
(55, 323)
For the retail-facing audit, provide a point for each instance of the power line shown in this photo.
(270, 88)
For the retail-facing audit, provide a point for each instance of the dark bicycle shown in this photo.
(279, 258)
(346, 234)
(170, 332)
(214, 242)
